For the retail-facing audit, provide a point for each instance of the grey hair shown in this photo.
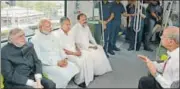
(175, 37)
(41, 22)
(63, 19)
(13, 32)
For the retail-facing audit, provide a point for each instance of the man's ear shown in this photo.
(10, 40)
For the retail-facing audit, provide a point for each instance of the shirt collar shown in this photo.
(173, 52)
(81, 25)
(61, 31)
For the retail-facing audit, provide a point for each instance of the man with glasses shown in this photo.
(169, 68)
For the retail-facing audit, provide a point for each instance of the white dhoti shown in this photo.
(85, 65)
(101, 62)
(61, 75)
(84, 39)
(86, 73)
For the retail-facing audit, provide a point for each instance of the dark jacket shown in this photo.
(18, 64)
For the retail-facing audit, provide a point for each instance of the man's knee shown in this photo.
(145, 79)
(48, 83)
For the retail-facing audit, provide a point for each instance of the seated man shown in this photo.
(169, 69)
(21, 67)
(57, 67)
(67, 43)
(83, 37)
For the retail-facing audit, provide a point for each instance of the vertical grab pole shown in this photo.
(101, 13)
(137, 21)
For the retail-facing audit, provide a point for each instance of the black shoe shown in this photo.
(130, 49)
(111, 52)
(95, 76)
(148, 49)
(137, 49)
(82, 85)
(107, 55)
(116, 49)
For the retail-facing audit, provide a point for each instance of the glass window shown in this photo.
(26, 15)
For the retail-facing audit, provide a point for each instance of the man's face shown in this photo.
(19, 39)
(83, 20)
(46, 26)
(166, 41)
(66, 25)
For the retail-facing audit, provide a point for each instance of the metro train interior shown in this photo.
(127, 67)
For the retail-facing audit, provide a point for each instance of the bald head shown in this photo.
(173, 33)
(170, 38)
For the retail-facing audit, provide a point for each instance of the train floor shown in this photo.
(127, 69)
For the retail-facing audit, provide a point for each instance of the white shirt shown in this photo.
(171, 71)
(47, 48)
(83, 36)
(65, 41)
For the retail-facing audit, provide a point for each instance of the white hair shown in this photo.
(13, 32)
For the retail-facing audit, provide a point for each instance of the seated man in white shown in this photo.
(83, 37)
(58, 68)
(67, 43)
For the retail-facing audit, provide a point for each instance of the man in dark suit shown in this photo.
(20, 65)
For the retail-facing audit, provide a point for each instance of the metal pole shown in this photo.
(101, 12)
(137, 21)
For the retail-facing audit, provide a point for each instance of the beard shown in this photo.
(45, 32)
(84, 24)
(19, 44)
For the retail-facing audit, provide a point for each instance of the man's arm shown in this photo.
(91, 38)
(38, 66)
(43, 56)
(110, 18)
(159, 66)
(159, 78)
(12, 75)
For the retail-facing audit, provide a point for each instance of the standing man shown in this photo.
(57, 67)
(117, 11)
(107, 17)
(151, 20)
(131, 9)
(169, 69)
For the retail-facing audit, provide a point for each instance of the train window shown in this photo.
(26, 15)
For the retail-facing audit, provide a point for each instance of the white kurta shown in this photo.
(83, 37)
(48, 51)
(85, 65)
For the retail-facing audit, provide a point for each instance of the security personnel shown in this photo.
(151, 19)
(117, 10)
(131, 10)
(107, 17)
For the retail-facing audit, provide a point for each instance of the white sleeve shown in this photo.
(30, 82)
(62, 53)
(174, 77)
(91, 38)
(38, 76)
(45, 58)
(163, 82)
(159, 66)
